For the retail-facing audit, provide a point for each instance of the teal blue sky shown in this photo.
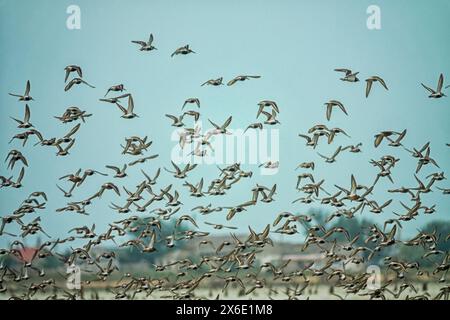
(293, 45)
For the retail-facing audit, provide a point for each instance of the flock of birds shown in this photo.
(238, 261)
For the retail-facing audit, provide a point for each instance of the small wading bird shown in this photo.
(438, 92)
(371, 80)
(128, 113)
(213, 82)
(349, 75)
(75, 81)
(146, 46)
(72, 68)
(26, 96)
(25, 124)
(241, 78)
(182, 50)
(333, 103)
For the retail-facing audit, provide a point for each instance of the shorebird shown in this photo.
(185, 218)
(64, 151)
(257, 125)
(425, 159)
(68, 137)
(72, 68)
(76, 81)
(213, 82)
(107, 186)
(182, 50)
(270, 164)
(396, 143)
(150, 247)
(190, 101)
(181, 174)
(26, 96)
(25, 124)
(142, 160)
(333, 132)
(195, 190)
(177, 121)
(128, 113)
(145, 46)
(72, 114)
(120, 173)
(116, 88)
(173, 200)
(371, 80)
(67, 194)
(267, 103)
(333, 157)
(350, 194)
(15, 156)
(237, 209)
(223, 128)
(219, 226)
(438, 92)
(18, 183)
(25, 135)
(267, 198)
(207, 209)
(241, 78)
(332, 103)
(306, 165)
(271, 117)
(304, 176)
(383, 134)
(353, 148)
(417, 153)
(375, 208)
(349, 75)
(115, 99)
(192, 113)
(88, 173)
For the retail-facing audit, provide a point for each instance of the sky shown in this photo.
(293, 45)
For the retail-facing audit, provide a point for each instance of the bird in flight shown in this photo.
(128, 113)
(213, 82)
(349, 75)
(183, 51)
(241, 78)
(146, 46)
(438, 92)
(75, 81)
(26, 96)
(333, 103)
(371, 80)
(72, 68)
(25, 124)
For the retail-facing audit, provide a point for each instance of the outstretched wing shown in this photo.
(440, 83)
(73, 131)
(130, 104)
(69, 85)
(232, 81)
(428, 88)
(27, 113)
(382, 82)
(227, 123)
(368, 87)
(27, 89)
(142, 43)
